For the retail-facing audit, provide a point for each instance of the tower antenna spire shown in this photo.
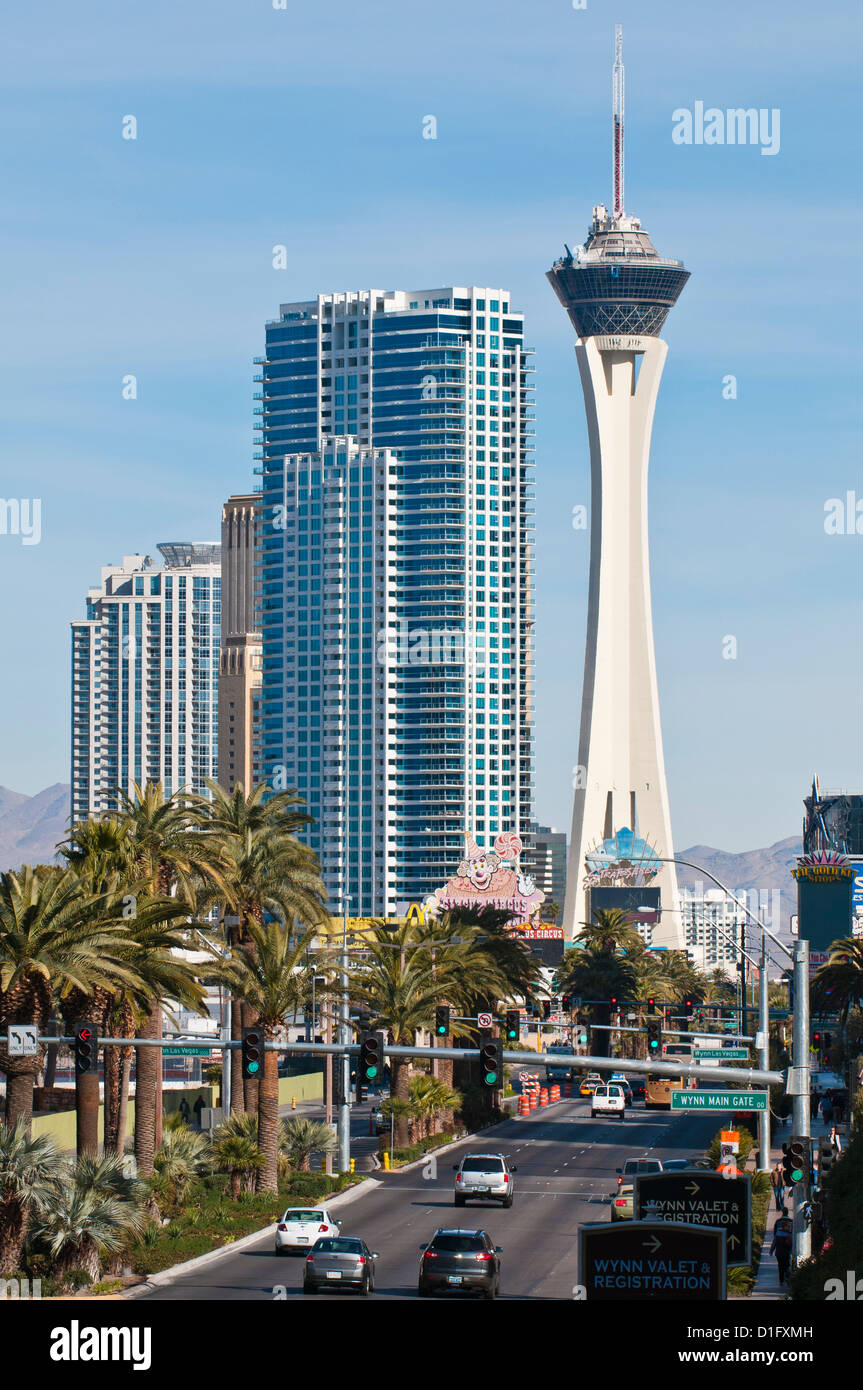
(617, 90)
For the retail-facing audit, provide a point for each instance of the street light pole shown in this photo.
(764, 1059)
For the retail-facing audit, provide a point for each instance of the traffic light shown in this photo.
(816, 1041)
(654, 1037)
(651, 1005)
(491, 1063)
(566, 1003)
(613, 1000)
(86, 1048)
(546, 1008)
(512, 1025)
(371, 1049)
(795, 1163)
(687, 1008)
(825, 1157)
(253, 1051)
(441, 1020)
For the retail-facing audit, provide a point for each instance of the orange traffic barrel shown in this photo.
(523, 1105)
(533, 1100)
(555, 1093)
(543, 1096)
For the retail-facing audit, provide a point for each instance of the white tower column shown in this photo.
(620, 778)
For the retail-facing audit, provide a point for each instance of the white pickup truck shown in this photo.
(608, 1100)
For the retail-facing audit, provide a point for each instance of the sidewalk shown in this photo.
(767, 1285)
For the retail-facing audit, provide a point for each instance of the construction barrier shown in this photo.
(533, 1099)
(554, 1094)
(523, 1105)
(543, 1096)
(567, 1090)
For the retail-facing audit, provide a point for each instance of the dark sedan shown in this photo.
(458, 1261)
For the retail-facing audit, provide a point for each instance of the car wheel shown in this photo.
(458, 1200)
(422, 1291)
(490, 1292)
(366, 1287)
(309, 1288)
(507, 1201)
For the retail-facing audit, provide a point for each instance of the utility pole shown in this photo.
(800, 1058)
(344, 1122)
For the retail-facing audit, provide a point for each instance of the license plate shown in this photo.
(334, 1274)
(302, 1239)
(481, 1189)
(453, 1278)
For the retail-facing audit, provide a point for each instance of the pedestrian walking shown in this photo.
(782, 1242)
(198, 1107)
(777, 1182)
(185, 1112)
(825, 1109)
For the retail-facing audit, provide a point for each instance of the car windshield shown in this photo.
(675, 1164)
(641, 1165)
(332, 1246)
(299, 1215)
(482, 1165)
(460, 1245)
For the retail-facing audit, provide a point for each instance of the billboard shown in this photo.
(824, 894)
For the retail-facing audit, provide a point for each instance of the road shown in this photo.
(566, 1171)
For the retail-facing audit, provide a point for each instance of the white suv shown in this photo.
(484, 1176)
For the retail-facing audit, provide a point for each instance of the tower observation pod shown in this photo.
(617, 291)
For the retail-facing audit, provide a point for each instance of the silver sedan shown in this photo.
(336, 1262)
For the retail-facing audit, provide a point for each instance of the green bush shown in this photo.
(843, 1250)
(411, 1152)
(77, 1278)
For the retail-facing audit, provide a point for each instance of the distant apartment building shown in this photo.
(395, 580)
(145, 664)
(547, 860)
(712, 923)
(240, 654)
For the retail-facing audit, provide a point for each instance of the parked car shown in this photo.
(381, 1122)
(622, 1203)
(459, 1261)
(300, 1227)
(608, 1100)
(336, 1262)
(484, 1176)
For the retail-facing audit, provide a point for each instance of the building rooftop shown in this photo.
(182, 554)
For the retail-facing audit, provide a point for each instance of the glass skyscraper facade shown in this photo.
(145, 669)
(395, 580)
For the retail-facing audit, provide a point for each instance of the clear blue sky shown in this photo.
(303, 126)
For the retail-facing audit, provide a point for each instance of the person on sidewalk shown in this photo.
(825, 1109)
(782, 1241)
(777, 1182)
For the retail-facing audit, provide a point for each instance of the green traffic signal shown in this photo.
(253, 1067)
(490, 1078)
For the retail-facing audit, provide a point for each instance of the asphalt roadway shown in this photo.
(566, 1173)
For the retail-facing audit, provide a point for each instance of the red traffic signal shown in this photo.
(85, 1048)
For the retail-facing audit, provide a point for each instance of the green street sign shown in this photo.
(720, 1054)
(185, 1052)
(719, 1100)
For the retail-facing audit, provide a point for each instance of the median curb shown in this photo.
(445, 1148)
(174, 1272)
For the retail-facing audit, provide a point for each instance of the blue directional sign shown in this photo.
(651, 1261)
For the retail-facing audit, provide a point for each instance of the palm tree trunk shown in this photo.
(400, 1090)
(268, 1120)
(19, 1095)
(123, 1107)
(13, 1231)
(111, 1067)
(148, 1073)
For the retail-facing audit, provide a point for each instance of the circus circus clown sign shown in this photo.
(492, 878)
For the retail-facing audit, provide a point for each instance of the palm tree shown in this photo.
(170, 857)
(610, 930)
(268, 975)
(29, 1170)
(838, 984)
(183, 1155)
(431, 1097)
(239, 1156)
(52, 937)
(301, 1138)
(601, 975)
(94, 1209)
(266, 869)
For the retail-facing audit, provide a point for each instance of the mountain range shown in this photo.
(30, 826)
